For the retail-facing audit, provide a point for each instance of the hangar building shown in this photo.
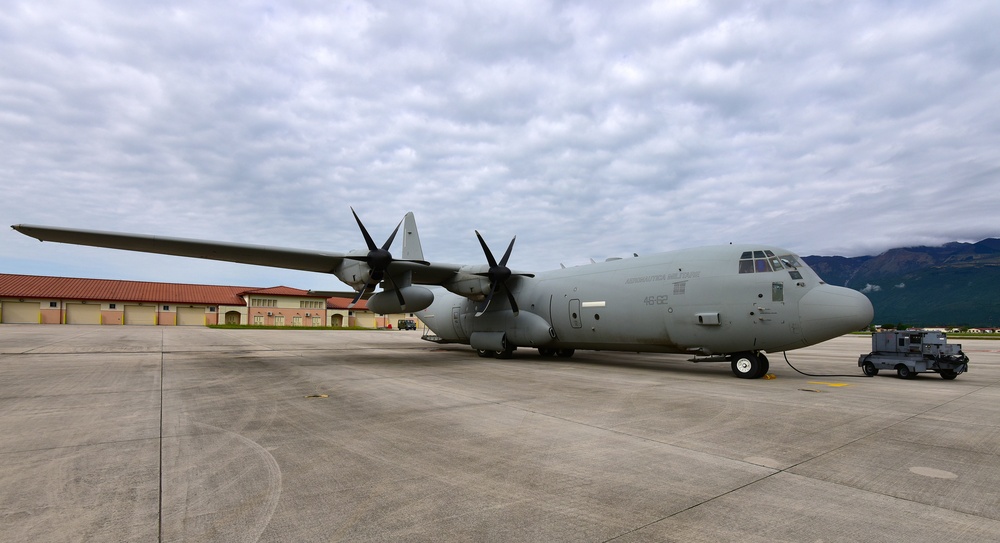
(33, 299)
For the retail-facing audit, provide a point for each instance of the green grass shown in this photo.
(253, 327)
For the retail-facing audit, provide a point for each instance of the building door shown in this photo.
(233, 317)
(20, 312)
(83, 314)
(190, 316)
(142, 315)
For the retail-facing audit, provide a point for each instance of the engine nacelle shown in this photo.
(386, 302)
(353, 272)
(472, 287)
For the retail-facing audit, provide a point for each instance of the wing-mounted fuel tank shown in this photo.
(388, 301)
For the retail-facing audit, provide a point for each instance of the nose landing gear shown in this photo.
(749, 365)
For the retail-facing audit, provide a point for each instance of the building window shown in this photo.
(166, 308)
(111, 306)
(211, 310)
(53, 304)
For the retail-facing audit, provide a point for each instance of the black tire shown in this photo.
(507, 350)
(546, 351)
(484, 353)
(746, 365)
(565, 353)
(904, 372)
(869, 369)
(764, 366)
(948, 374)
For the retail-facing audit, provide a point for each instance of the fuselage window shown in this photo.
(762, 265)
(746, 266)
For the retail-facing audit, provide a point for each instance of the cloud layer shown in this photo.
(589, 129)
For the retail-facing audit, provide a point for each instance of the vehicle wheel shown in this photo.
(904, 372)
(746, 365)
(869, 369)
(484, 353)
(948, 374)
(565, 353)
(546, 351)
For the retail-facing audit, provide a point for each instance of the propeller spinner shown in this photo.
(379, 259)
(498, 275)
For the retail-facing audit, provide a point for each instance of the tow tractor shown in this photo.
(910, 352)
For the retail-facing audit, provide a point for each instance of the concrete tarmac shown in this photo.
(192, 434)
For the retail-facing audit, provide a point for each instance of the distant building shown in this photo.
(33, 299)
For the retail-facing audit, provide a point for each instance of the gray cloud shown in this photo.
(585, 128)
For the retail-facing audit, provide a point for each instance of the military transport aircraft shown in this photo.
(726, 303)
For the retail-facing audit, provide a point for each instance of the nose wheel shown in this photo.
(749, 365)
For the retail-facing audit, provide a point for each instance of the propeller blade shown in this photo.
(489, 298)
(358, 296)
(364, 231)
(388, 242)
(503, 261)
(399, 295)
(498, 275)
(510, 298)
(489, 254)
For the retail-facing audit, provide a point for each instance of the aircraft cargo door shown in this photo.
(20, 312)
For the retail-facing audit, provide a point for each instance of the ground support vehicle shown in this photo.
(911, 352)
(406, 324)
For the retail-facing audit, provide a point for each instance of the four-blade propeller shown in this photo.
(379, 259)
(498, 275)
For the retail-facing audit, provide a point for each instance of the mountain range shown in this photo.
(957, 284)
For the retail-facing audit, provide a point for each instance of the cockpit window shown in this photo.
(791, 261)
(766, 261)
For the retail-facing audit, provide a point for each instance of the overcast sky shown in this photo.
(588, 129)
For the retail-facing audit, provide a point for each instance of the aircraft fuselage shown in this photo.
(693, 301)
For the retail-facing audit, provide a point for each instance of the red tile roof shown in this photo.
(34, 286)
(281, 291)
(342, 303)
(72, 288)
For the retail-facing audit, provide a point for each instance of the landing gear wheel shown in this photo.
(746, 365)
(565, 353)
(904, 372)
(507, 352)
(546, 351)
(764, 366)
(948, 374)
(484, 353)
(869, 369)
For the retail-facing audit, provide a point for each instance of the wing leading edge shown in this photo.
(260, 255)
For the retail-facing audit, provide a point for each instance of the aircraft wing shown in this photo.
(276, 257)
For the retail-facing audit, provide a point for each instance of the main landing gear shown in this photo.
(749, 365)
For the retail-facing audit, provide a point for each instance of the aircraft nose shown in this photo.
(827, 312)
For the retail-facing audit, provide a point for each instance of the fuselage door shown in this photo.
(456, 322)
(574, 314)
